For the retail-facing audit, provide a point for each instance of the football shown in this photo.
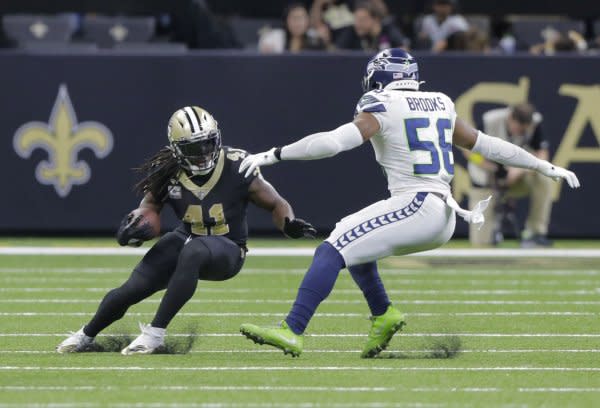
(150, 218)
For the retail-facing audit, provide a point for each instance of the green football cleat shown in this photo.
(280, 336)
(382, 330)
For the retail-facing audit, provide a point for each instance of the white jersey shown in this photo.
(414, 145)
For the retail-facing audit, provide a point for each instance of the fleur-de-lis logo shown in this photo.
(63, 138)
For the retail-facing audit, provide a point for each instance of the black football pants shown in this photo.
(174, 263)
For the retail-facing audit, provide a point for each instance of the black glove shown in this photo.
(298, 228)
(133, 232)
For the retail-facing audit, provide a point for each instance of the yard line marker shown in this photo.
(297, 368)
(444, 252)
(564, 335)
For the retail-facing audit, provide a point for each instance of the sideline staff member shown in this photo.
(519, 124)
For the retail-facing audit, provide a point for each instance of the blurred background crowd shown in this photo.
(276, 26)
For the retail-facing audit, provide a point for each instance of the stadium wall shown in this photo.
(74, 126)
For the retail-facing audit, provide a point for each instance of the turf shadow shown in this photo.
(173, 345)
(436, 348)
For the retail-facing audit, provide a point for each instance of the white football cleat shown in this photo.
(147, 342)
(75, 343)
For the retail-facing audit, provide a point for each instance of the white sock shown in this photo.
(157, 331)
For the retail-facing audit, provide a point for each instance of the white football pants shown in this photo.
(400, 225)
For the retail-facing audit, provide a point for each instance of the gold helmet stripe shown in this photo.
(192, 118)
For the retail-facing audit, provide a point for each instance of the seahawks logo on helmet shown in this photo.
(195, 139)
(392, 68)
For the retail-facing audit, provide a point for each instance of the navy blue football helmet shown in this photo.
(392, 66)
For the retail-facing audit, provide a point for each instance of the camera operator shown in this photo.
(519, 124)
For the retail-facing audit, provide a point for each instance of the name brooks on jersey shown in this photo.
(425, 104)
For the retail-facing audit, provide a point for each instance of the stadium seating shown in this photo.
(150, 48)
(39, 28)
(108, 31)
(528, 30)
(247, 30)
(51, 47)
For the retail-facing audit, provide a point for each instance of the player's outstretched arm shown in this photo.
(264, 195)
(318, 145)
(506, 153)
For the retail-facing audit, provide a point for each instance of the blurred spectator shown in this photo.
(195, 25)
(436, 28)
(297, 35)
(555, 41)
(472, 40)
(331, 17)
(520, 125)
(368, 32)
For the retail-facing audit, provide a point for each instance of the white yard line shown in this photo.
(425, 275)
(507, 292)
(186, 388)
(263, 351)
(224, 405)
(496, 283)
(445, 253)
(298, 368)
(562, 335)
(329, 301)
(326, 315)
(198, 388)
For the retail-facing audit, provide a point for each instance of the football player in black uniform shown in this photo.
(199, 178)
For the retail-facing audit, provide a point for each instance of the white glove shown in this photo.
(256, 160)
(554, 172)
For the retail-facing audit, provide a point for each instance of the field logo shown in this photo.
(63, 138)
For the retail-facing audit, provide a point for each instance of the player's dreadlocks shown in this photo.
(156, 174)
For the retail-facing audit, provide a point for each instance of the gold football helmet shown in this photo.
(195, 139)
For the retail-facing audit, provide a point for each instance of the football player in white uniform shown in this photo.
(412, 133)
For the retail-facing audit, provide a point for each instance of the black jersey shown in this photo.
(214, 204)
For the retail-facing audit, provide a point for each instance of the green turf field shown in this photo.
(481, 332)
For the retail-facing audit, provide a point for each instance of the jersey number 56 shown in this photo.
(436, 148)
